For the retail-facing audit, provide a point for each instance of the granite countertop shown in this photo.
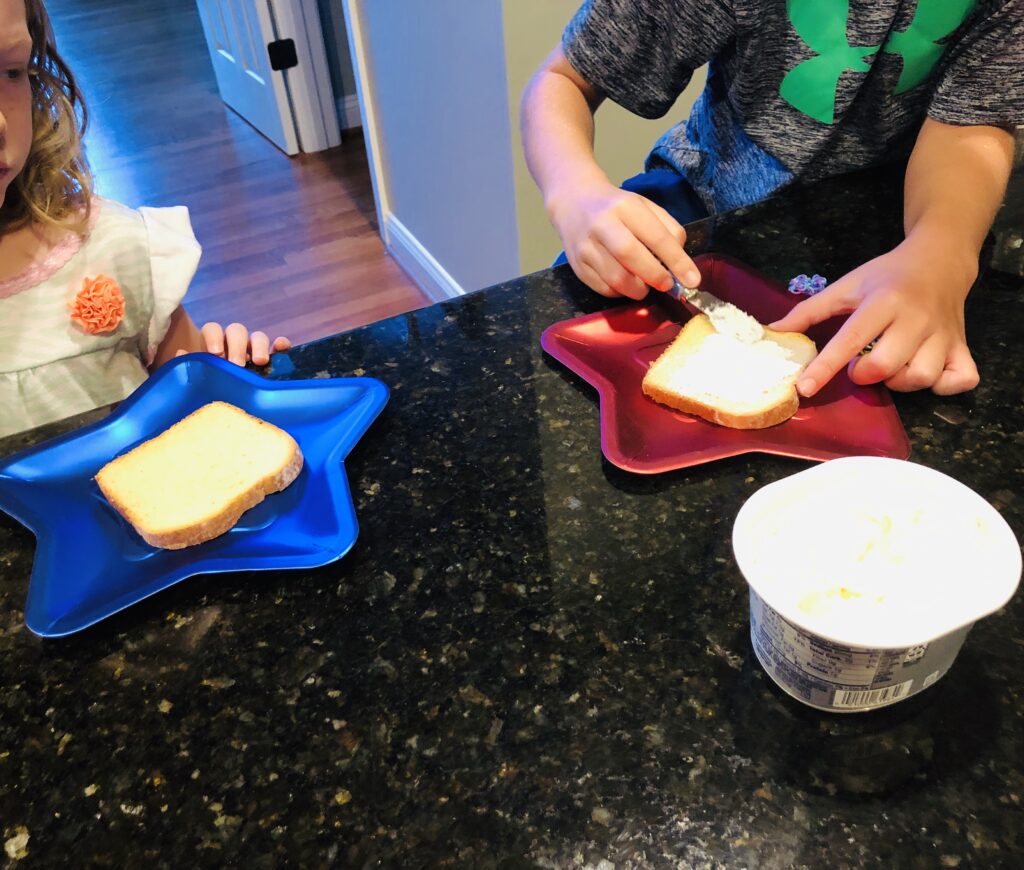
(530, 658)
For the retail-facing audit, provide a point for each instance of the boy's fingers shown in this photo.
(890, 355)
(237, 338)
(615, 275)
(861, 329)
(594, 281)
(921, 371)
(259, 348)
(631, 252)
(821, 307)
(663, 240)
(213, 338)
(959, 375)
(281, 344)
(675, 229)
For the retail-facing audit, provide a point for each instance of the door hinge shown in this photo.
(282, 54)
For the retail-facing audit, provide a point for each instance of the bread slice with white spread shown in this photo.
(740, 374)
(194, 481)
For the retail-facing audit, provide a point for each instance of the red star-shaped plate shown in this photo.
(612, 350)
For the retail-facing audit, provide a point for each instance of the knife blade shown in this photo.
(725, 316)
(700, 299)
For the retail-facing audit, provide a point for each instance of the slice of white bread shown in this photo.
(193, 481)
(723, 379)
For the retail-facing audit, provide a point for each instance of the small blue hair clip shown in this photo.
(805, 286)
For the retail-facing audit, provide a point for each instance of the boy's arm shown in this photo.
(947, 163)
(617, 242)
(558, 127)
(913, 297)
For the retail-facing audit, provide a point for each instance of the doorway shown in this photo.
(290, 245)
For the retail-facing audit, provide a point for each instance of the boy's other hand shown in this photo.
(236, 344)
(619, 243)
(912, 301)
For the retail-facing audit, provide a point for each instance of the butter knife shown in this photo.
(700, 299)
(725, 316)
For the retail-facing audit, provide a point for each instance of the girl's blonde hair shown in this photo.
(55, 187)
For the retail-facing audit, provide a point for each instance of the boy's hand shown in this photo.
(237, 345)
(912, 301)
(619, 242)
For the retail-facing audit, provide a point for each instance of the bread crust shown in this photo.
(761, 420)
(688, 340)
(220, 522)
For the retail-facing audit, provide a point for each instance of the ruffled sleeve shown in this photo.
(174, 256)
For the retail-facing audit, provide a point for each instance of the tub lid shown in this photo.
(874, 552)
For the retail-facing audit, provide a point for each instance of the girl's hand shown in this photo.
(236, 344)
(619, 243)
(912, 301)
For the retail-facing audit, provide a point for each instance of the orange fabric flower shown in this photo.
(99, 305)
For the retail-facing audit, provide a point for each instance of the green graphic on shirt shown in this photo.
(812, 86)
(917, 44)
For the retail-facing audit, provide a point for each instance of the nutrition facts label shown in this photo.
(833, 664)
(831, 676)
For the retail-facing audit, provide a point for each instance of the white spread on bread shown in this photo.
(731, 377)
(736, 323)
(734, 369)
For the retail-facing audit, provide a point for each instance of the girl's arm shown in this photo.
(234, 343)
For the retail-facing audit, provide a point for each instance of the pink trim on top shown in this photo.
(53, 262)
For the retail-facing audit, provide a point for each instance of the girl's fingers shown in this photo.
(236, 345)
(213, 338)
(259, 348)
(237, 339)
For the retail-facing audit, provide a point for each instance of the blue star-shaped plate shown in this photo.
(90, 563)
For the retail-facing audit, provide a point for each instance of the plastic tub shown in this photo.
(865, 575)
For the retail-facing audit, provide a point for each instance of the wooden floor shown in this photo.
(290, 245)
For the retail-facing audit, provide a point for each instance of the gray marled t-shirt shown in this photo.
(800, 88)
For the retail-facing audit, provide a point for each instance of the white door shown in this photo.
(293, 105)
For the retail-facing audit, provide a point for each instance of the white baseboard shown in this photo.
(428, 274)
(348, 112)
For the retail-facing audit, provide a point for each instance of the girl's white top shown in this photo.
(50, 368)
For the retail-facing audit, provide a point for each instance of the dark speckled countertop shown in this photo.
(530, 658)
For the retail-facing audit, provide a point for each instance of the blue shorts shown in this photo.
(667, 188)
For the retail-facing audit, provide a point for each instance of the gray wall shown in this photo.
(437, 78)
